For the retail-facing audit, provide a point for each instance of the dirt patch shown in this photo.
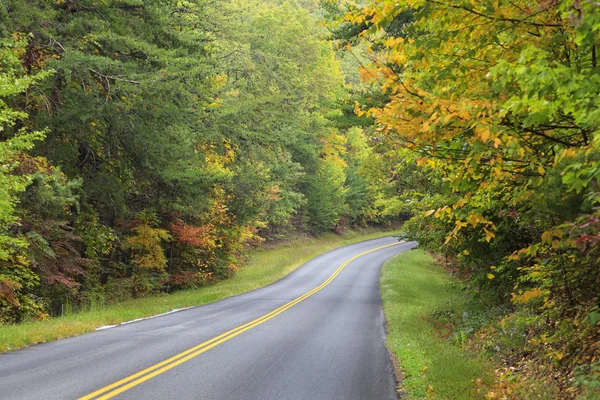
(402, 393)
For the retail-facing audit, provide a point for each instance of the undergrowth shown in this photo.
(264, 266)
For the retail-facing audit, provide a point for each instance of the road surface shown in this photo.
(319, 333)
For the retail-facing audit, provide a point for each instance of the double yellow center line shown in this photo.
(114, 389)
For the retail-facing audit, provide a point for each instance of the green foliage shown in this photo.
(588, 377)
(17, 281)
(147, 255)
(144, 143)
(415, 293)
(500, 100)
(326, 196)
(14, 143)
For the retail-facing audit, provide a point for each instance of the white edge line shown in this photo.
(166, 313)
(141, 319)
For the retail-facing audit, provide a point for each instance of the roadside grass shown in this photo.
(265, 266)
(413, 289)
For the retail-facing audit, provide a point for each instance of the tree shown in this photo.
(501, 98)
(16, 279)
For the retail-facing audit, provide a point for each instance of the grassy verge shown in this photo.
(413, 291)
(263, 268)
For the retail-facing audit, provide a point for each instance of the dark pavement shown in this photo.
(329, 345)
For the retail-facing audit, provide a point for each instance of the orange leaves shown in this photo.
(9, 292)
(191, 235)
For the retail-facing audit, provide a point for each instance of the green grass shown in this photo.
(413, 289)
(263, 268)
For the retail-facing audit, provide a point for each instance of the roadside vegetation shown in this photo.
(145, 144)
(491, 113)
(421, 302)
(451, 344)
(264, 266)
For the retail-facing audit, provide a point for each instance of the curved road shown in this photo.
(318, 333)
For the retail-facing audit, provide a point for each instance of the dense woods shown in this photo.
(145, 143)
(499, 104)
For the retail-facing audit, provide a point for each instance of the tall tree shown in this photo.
(502, 99)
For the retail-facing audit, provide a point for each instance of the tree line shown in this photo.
(144, 144)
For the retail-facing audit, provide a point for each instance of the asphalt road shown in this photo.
(306, 336)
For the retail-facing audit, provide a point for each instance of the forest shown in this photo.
(499, 104)
(144, 145)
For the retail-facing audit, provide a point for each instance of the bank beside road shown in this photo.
(264, 267)
(317, 333)
(417, 297)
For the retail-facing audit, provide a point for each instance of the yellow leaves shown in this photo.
(530, 251)
(459, 204)
(358, 109)
(527, 296)
(387, 84)
(219, 80)
(145, 245)
(428, 213)
(459, 224)
(449, 238)
(334, 147)
(488, 235)
(548, 236)
(355, 18)
(513, 257)
(491, 276)
(218, 158)
(484, 135)
(464, 114)
(541, 170)
(393, 42)
(440, 212)
(475, 219)
(398, 59)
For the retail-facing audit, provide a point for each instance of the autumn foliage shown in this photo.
(499, 103)
(145, 145)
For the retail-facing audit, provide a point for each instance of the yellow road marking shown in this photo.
(107, 392)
